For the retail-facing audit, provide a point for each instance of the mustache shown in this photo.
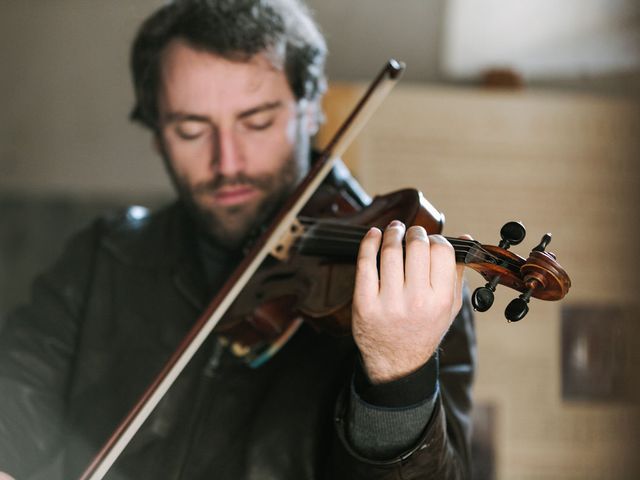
(242, 179)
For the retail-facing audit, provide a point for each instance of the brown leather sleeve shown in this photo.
(36, 355)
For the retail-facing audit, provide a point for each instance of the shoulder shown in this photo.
(137, 236)
(121, 233)
(342, 179)
(340, 193)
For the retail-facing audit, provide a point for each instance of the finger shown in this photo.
(416, 263)
(366, 281)
(442, 272)
(391, 258)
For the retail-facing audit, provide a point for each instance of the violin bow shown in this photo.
(263, 246)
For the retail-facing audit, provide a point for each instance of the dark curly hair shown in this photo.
(234, 29)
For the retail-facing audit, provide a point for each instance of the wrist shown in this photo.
(410, 390)
(384, 369)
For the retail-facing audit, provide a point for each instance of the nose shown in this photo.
(227, 155)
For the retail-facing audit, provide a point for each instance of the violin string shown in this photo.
(462, 246)
(338, 236)
(461, 253)
(342, 229)
(356, 233)
(339, 227)
(460, 250)
(327, 236)
(356, 242)
(336, 233)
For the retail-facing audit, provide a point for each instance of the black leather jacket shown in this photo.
(112, 310)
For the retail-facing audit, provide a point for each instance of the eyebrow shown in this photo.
(261, 108)
(181, 116)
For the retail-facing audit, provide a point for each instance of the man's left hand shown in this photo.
(400, 314)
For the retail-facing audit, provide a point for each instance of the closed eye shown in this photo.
(191, 129)
(259, 125)
(261, 117)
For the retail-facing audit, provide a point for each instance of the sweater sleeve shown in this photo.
(387, 419)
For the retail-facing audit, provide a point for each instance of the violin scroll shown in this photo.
(539, 276)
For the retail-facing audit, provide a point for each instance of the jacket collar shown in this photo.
(163, 242)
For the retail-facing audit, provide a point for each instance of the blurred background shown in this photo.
(525, 110)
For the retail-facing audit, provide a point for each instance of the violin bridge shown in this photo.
(283, 248)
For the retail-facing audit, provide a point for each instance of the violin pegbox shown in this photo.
(539, 276)
(511, 233)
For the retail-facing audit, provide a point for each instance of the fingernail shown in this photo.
(438, 239)
(416, 231)
(396, 223)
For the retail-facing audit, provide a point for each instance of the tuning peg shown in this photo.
(518, 308)
(483, 297)
(512, 233)
(546, 238)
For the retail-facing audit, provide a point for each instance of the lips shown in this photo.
(234, 195)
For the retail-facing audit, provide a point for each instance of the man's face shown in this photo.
(233, 136)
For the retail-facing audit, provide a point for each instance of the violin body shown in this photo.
(314, 282)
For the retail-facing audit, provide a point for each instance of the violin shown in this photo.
(310, 274)
(301, 268)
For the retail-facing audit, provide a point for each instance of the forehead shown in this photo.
(197, 80)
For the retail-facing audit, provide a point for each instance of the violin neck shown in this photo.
(342, 243)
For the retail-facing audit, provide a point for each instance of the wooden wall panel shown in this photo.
(560, 163)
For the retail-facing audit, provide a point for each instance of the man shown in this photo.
(231, 91)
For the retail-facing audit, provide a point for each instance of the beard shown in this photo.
(231, 226)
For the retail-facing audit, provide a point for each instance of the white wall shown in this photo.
(65, 97)
(542, 38)
(65, 90)
(363, 34)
